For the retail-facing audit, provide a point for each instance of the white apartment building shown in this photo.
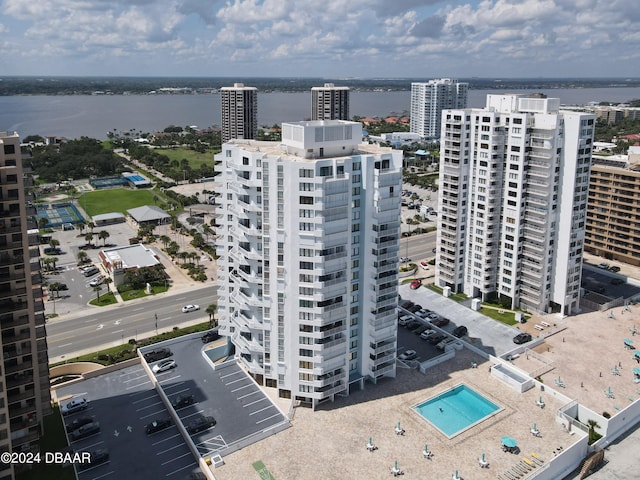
(429, 99)
(514, 182)
(239, 108)
(308, 249)
(329, 102)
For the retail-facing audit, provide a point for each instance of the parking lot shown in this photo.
(124, 402)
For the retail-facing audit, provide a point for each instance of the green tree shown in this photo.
(97, 289)
(83, 257)
(165, 240)
(211, 311)
(53, 243)
(55, 287)
(107, 281)
(43, 222)
(88, 237)
(103, 235)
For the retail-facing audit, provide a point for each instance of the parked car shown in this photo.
(420, 329)
(75, 405)
(440, 322)
(614, 269)
(521, 338)
(442, 344)
(210, 336)
(406, 304)
(408, 355)
(164, 366)
(402, 321)
(90, 271)
(85, 431)
(157, 354)
(96, 281)
(404, 259)
(424, 265)
(460, 331)
(415, 284)
(437, 338)
(52, 251)
(427, 334)
(96, 457)
(182, 401)
(423, 313)
(617, 281)
(190, 308)
(200, 424)
(77, 423)
(415, 308)
(603, 265)
(157, 425)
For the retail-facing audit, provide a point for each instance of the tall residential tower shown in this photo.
(24, 377)
(329, 102)
(514, 182)
(308, 268)
(428, 100)
(239, 107)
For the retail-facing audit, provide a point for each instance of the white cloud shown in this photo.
(461, 38)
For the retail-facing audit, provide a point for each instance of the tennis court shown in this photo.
(58, 214)
(107, 182)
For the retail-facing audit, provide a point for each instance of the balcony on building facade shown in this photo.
(383, 369)
(322, 366)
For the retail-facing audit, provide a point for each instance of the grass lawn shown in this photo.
(105, 299)
(195, 159)
(115, 200)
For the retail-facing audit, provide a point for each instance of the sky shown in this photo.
(321, 38)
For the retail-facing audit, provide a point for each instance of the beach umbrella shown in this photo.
(535, 427)
(370, 440)
(509, 441)
(483, 457)
(395, 465)
(456, 476)
(541, 399)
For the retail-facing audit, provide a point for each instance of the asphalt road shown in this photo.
(109, 326)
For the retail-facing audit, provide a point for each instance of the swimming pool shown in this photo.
(456, 410)
(136, 178)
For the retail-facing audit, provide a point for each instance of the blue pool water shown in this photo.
(136, 178)
(455, 410)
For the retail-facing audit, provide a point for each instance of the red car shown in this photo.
(415, 284)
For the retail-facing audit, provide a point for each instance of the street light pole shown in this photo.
(156, 315)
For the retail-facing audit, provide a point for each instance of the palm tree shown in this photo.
(211, 311)
(53, 243)
(97, 289)
(103, 235)
(91, 226)
(107, 281)
(55, 287)
(183, 256)
(82, 257)
(43, 222)
(88, 237)
(81, 225)
(165, 240)
(195, 256)
(54, 260)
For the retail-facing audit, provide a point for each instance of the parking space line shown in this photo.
(148, 406)
(165, 380)
(240, 388)
(154, 414)
(235, 381)
(261, 410)
(137, 377)
(138, 385)
(169, 461)
(165, 439)
(222, 377)
(179, 391)
(255, 401)
(180, 469)
(192, 414)
(268, 418)
(145, 399)
(173, 386)
(248, 394)
(180, 445)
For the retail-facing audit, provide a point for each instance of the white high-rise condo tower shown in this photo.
(329, 102)
(308, 242)
(514, 182)
(239, 107)
(429, 99)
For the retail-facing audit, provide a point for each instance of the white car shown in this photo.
(164, 366)
(74, 406)
(190, 308)
(403, 320)
(96, 281)
(408, 355)
(404, 259)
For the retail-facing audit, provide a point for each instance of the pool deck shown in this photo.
(331, 442)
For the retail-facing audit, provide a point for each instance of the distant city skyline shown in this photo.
(409, 38)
